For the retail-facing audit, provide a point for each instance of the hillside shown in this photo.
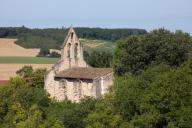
(13, 57)
(52, 38)
(90, 45)
(9, 48)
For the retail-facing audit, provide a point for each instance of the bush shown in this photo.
(55, 54)
(99, 59)
(43, 52)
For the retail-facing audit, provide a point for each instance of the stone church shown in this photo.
(72, 78)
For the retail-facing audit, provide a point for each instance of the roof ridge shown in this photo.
(84, 72)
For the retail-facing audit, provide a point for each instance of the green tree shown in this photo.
(137, 53)
(22, 105)
(99, 59)
(103, 116)
(72, 115)
(33, 119)
(32, 77)
(43, 52)
(55, 54)
(25, 71)
(37, 79)
(159, 97)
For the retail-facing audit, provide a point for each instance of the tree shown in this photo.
(137, 53)
(32, 77)
(99, 59)
(159, 97)
(25, 71)
(22, 105)
(55, 54)
(72, 115)
(37, 79)
(52, 38)
(44, 52)
(103, 116)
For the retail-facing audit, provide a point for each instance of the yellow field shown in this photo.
(8, 70)
(9, 48)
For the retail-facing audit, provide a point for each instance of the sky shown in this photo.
(145, 14)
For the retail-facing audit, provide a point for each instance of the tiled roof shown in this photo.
(84, 73)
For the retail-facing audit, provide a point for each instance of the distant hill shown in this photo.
(52, 38)
(9, 48)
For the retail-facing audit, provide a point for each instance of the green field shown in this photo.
(28, 60)
(98, 45)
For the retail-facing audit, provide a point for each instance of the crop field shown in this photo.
(9, 70)
(9, 48)
(28, 60)
(13, 57)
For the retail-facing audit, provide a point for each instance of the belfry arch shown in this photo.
(69, 50)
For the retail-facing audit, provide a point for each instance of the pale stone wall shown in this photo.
(107, 82)
(96, 88)
(76, 89)
(85, 90)
(72, 52)
(50, 83)
(59, 93)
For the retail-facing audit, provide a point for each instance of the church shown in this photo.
(72, 78)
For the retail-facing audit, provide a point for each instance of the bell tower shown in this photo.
(72, 51)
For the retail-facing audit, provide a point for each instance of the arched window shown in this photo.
(76, 50)
(72, 35)
(68, 50)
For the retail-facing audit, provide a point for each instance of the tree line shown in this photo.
(54, 37)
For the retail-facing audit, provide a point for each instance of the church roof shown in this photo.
(84, 73)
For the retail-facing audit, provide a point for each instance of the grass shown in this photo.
(90, 45)
(28, 60)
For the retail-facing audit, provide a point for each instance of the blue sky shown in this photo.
(147, 14)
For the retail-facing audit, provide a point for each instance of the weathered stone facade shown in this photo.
(72, 77)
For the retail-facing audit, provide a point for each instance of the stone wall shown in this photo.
(72, 89)
(107, 82)
(72, 52)
(76, 89)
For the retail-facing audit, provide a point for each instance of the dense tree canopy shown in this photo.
(99, 59)
(43, 52)
(137, 53)
(158, 97)
(32, 77)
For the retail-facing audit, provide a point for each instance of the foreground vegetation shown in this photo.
(152, 89)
